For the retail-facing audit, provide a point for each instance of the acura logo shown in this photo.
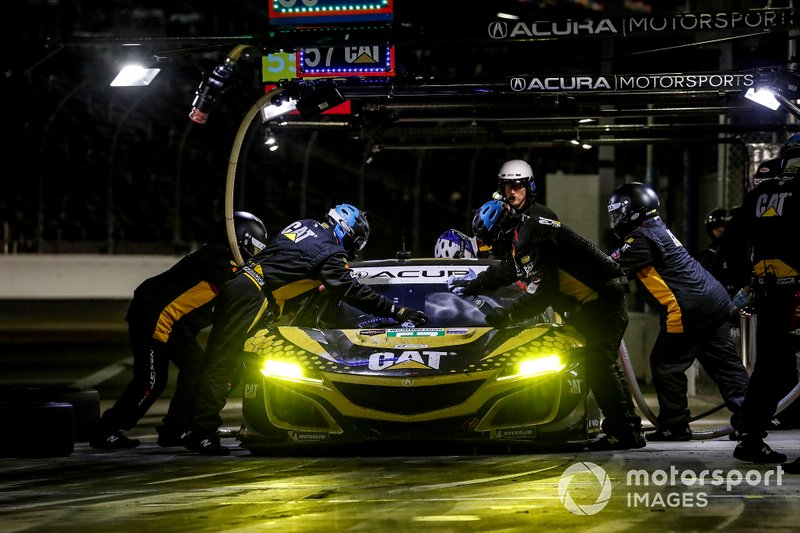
(498, 30)
(518, 84)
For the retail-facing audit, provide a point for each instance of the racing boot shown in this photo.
(622, 442)
(675, 434)
(104, 439)
(754, 450)
(204, 444)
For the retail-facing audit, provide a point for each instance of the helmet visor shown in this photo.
(516, 184)
(359, 243)
(616, 212)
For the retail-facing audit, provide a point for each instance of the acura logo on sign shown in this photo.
(498, 30)
(518, 84)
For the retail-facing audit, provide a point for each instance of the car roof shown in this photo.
(425, 261)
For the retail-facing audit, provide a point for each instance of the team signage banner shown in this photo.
(668, 82)
(762, 19)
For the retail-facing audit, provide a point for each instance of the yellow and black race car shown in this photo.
(334, 374)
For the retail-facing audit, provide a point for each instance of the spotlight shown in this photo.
(135, 75)
(773, 88)
(764, 97)
(270, 140)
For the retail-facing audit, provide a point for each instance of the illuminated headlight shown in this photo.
(548, 364)
(274, 368)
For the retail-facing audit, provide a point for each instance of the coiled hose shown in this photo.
(722, 431)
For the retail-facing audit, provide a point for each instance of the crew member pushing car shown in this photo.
(164, 318)
(303, 256)
(563, 270)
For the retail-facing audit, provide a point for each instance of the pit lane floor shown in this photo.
(412, 487)
(406, 488)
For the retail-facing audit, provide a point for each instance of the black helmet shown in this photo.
(350, 226)
(768, 168)
(251, 234)
(717, 218)
(630, 205)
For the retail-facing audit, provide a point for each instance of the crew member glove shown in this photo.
(498, 317)
(460, 286)
(405, 314)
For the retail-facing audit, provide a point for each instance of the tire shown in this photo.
(37, 429)
(85, 403)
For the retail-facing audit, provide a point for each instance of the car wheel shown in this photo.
(85, 404)
(37, 429)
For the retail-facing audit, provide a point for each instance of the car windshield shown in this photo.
(443, 308)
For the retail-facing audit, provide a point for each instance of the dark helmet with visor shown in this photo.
(251, 234)
(717, 218)
(630, 205)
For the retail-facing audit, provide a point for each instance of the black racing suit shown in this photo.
(501, 248)
(303, 256)
(164, 318)
(761, 241)
(694, 309)
(565, 271)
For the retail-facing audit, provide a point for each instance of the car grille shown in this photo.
(408, 400)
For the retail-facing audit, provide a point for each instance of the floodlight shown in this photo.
(135, 75)
(764, 97)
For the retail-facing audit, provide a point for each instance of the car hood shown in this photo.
(411, 352)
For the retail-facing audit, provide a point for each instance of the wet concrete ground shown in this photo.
(411, 487)
(687, 486)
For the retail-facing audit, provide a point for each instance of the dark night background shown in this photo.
(98, 169)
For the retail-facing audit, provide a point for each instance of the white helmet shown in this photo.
(452, 244)
(516, 171)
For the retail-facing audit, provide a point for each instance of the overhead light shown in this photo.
(270, 140)
(764, 97)
(576, 142)
(586, 146)
(278, 108)
(585, 120)
(135, 75)
(776, 87)
(507, 16)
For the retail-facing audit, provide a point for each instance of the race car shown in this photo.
(332, 373)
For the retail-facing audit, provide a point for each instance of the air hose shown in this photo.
(627, 368)
(229, 186)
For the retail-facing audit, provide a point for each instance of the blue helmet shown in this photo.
(452, 244)
(350, 226)
(488, 220)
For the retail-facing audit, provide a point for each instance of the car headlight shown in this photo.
(535, 366)
(274, 368)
